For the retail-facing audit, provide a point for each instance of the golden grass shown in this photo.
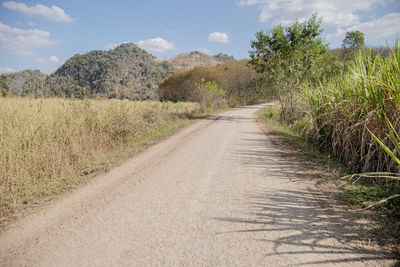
(50, 145)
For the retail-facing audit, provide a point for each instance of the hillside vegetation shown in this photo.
(124, 72)
(196, 58)
(25, 83)
(50, 145)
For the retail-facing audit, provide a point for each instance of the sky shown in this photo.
(44, 34)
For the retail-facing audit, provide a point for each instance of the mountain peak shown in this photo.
(127, 71)
(197, 58)
(127, 45)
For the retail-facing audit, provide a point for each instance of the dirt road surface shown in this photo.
(216, 193)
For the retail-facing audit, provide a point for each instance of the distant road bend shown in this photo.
(216, 193)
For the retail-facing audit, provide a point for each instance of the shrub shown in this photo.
(181, 86)
(210, 95)
(241, 84)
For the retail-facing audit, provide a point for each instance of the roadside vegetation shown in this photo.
(331, 177)
(349, 108)
(355, 117)
(50, 145)
(231, 84)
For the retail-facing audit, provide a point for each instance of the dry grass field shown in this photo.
(50, 145)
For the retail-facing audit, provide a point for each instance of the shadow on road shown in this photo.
(305, 228)
(299, 221)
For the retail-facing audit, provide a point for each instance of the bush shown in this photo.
(181, 86)
(210, 95)
(240, 83)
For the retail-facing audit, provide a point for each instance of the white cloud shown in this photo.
(50, 60)
(204, 50)
(111, 46)
(30, 23)
(374, 29)
(6, 70)
(156, 45)
(339, 34)
(341, 13)
(22, 42)
(114, 45)
(51, 13)
(385, 26)
(218, 37)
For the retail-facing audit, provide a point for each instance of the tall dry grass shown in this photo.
(345, 107)
(49, 145)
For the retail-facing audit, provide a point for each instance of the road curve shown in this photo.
(216, 193)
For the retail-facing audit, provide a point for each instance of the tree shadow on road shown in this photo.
(305, 228)
(301, 221)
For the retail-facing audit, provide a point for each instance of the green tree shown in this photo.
(287, 57)
(353, 41)
(3, 87)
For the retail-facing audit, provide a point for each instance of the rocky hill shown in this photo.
(196, 58)
(124, 72)
(25, 83)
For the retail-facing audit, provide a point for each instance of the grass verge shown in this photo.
(383, 222)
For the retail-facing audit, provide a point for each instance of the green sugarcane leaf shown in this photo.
(387, 150)
(394, 136)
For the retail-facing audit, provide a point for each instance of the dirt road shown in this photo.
(216, 193)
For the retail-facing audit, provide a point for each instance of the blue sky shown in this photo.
(43, 34)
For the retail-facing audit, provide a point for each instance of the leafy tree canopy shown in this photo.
(299, 42)
(3, 84)
(289, 55)
(353, 40)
